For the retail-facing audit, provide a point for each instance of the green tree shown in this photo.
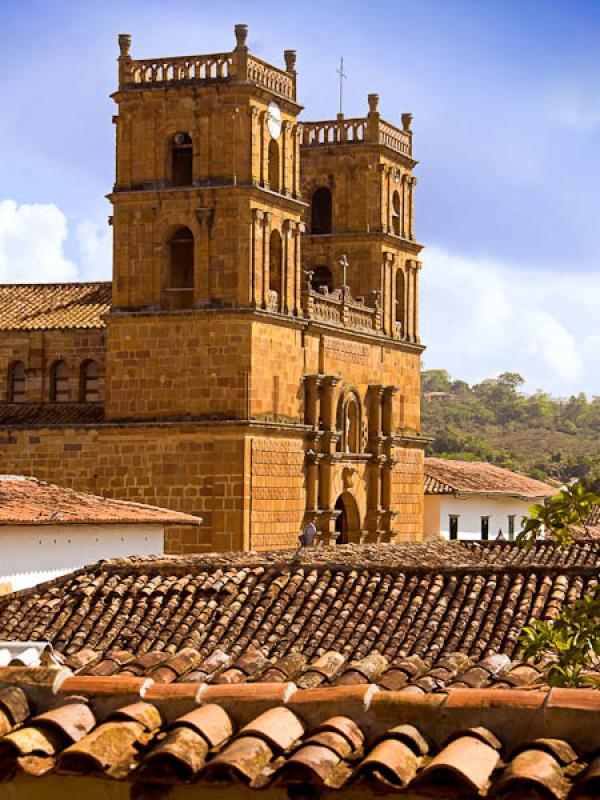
(571, 642)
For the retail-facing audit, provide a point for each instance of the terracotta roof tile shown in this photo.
(48, 414)
(410, 623)
(446, 476)
(29, 501)
(45, 306)
(372, 743)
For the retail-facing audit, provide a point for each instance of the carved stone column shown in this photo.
(312, 409)
(202, 291)
(257, 256)
(255, 147)
(374, 396)
(387, 421)
(388, 293)
(285, 139)
(297, 139)
(327, 404)
(312, 482)
(264, 150)
(410, 305)
(418, 267)
(267, 217)
(287, 267)
(299, 230)
(412, 182)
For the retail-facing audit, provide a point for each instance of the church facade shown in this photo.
(256, 358)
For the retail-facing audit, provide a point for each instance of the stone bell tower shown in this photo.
(207, 217)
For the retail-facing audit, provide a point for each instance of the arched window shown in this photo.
(274, 180)
(321, 211)
(59, 383)
(180, 288)
(400, 299)
(396, 213)
(89, 382)
(322, 278)
(349, 421)
(181, 160)
(17, 383)
(275, 270)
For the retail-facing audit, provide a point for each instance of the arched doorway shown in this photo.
(347, 522)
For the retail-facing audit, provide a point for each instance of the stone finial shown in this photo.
(241, 35)
(124, 44)
(406, 121)
(290, 60)
(373, 103)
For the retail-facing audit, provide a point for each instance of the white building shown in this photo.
(47, 530)
(473, 500)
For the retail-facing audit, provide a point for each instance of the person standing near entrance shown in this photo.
(308, 535)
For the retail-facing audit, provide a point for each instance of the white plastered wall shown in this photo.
(470, 510)
(30, 554)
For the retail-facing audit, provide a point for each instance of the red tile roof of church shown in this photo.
(46, 306)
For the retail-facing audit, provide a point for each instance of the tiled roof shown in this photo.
(15, 414)
(43, 306)
(29, 501)
(310, 619)
(445, 476)
(373, 668)
(463, 743)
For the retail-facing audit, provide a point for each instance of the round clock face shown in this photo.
(274, 120)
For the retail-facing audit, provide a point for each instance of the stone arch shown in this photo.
(89, 381)
(17, 383)
(59, 382)
(347, 523)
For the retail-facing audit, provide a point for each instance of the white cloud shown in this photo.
(481, 317)
(34, 239)
(95, 249)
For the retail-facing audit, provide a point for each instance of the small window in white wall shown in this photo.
(453, 526)
(511, 527)
(485, 529)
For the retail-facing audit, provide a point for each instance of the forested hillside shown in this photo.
(540, 435)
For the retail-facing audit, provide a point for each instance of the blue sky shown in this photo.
(506, 104)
